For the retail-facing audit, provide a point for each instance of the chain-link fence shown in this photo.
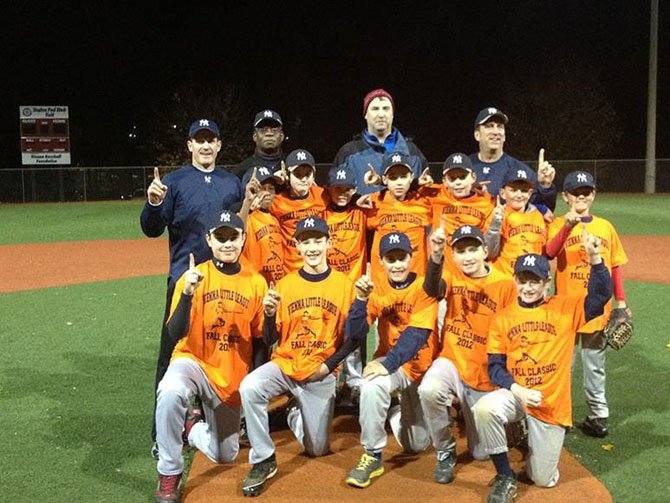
(54, 184)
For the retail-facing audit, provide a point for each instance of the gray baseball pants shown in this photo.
(440, 385)
(545, 441)
(217, 437)
(407, 422)
(593, 363)
(309, 421)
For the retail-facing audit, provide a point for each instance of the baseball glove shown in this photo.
(619, 328)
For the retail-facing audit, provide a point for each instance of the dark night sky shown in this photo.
(114, 63)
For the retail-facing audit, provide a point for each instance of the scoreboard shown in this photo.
(45, 135)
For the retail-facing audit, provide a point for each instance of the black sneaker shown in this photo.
(504, 489)
(154, 450)
(444, 469)
(595, 427)
(254, 482)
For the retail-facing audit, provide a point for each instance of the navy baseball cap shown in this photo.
(311, 224)
(267, 118)
(487, 114)
(226, 219)
(204, 124)
(396, 159)
(300, 157)
(457, 160)
(342, 175)
(533, 263)
(467, 231)
(519, 173)
(394, 241)
(264, 173)
(578, 179)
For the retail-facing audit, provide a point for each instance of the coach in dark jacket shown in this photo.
(268, 136)
(378, 139)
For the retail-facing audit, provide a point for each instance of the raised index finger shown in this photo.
(191, 261)
(157, 174)
(253, 174)
(540, 159)
(367, 269)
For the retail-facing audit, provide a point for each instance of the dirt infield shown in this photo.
(43, 265)
(407, 478)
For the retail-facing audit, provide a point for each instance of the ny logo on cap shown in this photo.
(341, 175)
(466, 229)
(581, 177)
(203, 122)
(458, 159)
(529, 261)
(493, 110)
(225, 217)
(309, 222)
(521, 174)
(301, 156)
(396, 158)
(267, 113)
(263, 171)
(394, 239)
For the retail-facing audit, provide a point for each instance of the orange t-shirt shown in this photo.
(226, 312)
(538, 343)
(310, 321)
(450, 213)
(398, 309)
(347, 232)
(471, 304)
(573, 267)
(263, 250)
(411, 216)
(522, 232)
(289, 212)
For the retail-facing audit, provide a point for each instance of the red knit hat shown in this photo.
(376, 93)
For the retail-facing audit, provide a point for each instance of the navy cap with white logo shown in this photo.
(396, 159)
(268, 118)
(457, 161)
(467, 231)
(300, 157)
(578, 179)
(225, 219)
(311, 224)
(204, 124)
(394, 241)
(487, 114)
(519, 173)
(533, 263)
(264, 173)
(342, 175)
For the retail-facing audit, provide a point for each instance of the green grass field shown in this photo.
(77, 370)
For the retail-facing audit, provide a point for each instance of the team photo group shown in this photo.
(474, 292)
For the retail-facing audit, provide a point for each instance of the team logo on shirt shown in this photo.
(487, 170)
(208, 179)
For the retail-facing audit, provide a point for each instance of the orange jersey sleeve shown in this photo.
(398, 309)
(521, 233)
(539, 343)
(572, 263)
(450, 213)
(264, 250)
(310, 321)
(411, 216)
(288, 212)
(226, 313)
(471, 304)
(347, 232)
